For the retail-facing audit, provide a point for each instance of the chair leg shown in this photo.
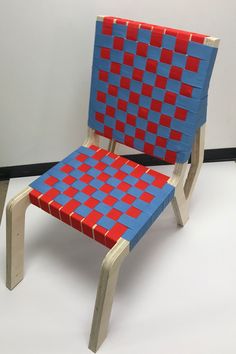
(15, 225)
(180, 206)
(179, 202)
(197, 158)
(106, 288)
(112, 145)
(183, 191)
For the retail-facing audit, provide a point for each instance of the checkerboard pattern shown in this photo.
(149, 86)
(103, 195)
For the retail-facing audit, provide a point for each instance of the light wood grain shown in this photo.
(15, 227)
(197, 157)
(212, 42)
(92, 138)
(112, 145)
(100, 17)
(179, 203)
(184, 188)
(105, 292)
(3, 193)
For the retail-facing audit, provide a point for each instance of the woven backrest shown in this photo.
(149, 86)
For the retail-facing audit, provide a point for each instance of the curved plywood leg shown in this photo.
(183, 191)
(106, 288)
(15, 225)
(179, 202)
(180, 206)
(197, 157)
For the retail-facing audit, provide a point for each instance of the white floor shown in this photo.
(177, 289)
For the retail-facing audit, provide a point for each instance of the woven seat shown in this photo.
(103, 195)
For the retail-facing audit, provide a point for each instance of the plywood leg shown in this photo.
(112, 146)
(179, 202)
(106, 288)
(180, 206)
(197, 157)
(15, 225)
(183, 191)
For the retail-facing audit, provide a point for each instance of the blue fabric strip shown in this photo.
(195, 106)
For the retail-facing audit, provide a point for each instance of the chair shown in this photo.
(149, 92)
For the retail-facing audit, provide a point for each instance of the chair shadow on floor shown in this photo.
(82, 257)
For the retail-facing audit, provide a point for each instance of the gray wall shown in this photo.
(45, 60)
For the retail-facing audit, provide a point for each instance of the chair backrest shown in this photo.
(149, 86)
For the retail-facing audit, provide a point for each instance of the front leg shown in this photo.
(15, 227)
(105, 292)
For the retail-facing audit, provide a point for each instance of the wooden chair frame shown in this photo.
(15, 214)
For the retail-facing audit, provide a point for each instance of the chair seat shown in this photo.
(103, 195)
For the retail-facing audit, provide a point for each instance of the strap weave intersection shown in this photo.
(103, 195)
(149, 86)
